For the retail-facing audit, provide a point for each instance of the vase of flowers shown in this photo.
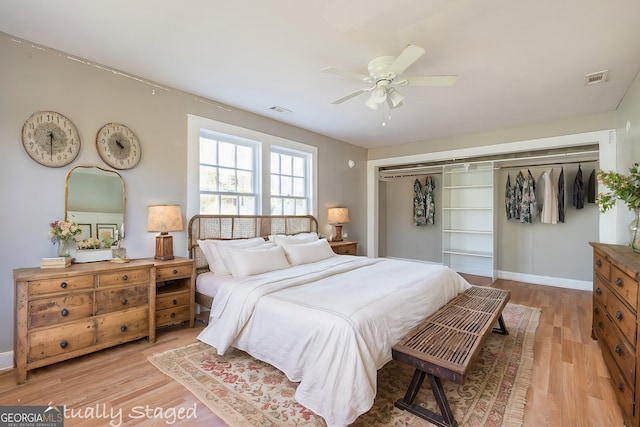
(627, 189)
(64, 233)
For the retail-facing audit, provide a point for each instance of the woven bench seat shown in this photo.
(446, 344)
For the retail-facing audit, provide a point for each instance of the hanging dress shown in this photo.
(419, 210)
(430, 204)
(550, 199)
(517, 194)
(529, 206)
(578, 190)
(509, 199)
(561, 196)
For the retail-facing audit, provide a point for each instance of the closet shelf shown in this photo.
(476, 208)
(467, 187)
(457, 230)
(468, 253)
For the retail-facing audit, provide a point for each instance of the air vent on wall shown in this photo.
(596, 78)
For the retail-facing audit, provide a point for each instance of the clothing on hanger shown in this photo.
(578, 190)
(561, 196)
(419, 211)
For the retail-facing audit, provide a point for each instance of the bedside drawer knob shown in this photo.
(175, 271)
(63, 285)
(173, 315)
(63, 343)
(618, 350)
(124, 301)
(123, 328)
(599, 263)
(64, 312)
(125, 277)
(598, 291)
(619, 281)
(618, 315)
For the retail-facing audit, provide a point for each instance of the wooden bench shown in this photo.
(445, 345)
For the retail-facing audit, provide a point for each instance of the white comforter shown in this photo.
(330, 324)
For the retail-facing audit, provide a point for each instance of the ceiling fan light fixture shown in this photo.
(395, 98)
(371, 103)
(379, 94)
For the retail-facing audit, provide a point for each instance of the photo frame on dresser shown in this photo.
(106, 231)
(87, 231)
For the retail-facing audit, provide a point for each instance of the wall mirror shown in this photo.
(95, 200)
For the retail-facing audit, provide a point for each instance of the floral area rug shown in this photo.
(244, 391)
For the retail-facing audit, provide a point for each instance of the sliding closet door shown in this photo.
(468, 220)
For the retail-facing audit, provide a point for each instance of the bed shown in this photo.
(327, 321)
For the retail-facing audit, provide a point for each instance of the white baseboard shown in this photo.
(6, 360)
(559, 282)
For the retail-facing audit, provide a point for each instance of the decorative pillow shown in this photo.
(218, 252)
(247, 262)
(304, 253)
(290, 239)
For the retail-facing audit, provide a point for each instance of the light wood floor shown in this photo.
(570, 382)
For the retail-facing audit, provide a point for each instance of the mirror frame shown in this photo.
(124, 194)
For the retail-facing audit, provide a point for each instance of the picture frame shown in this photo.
(106, 231)
(87, 231)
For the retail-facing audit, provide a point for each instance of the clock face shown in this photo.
(50, 139)
(118, 146)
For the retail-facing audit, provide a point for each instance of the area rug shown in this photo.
(246, 392)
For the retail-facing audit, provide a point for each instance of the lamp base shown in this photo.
(164, 247)
(338, 236)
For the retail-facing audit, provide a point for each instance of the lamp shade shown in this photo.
(164, 218)
(338, 215)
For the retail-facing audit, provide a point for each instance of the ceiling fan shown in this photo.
(383, 74)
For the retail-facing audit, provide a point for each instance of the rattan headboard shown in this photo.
(227, 227)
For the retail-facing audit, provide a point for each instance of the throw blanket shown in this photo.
(330, 324)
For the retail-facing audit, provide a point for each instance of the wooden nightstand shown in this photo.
(175, 291)
(345, 247)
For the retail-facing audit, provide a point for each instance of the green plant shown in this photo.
(621, 187)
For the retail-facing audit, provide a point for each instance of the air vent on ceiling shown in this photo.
(279, 109)
(596, 78)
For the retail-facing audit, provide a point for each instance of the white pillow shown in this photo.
(283, 239)
(218, 251)
(247, 262)
(304, 253)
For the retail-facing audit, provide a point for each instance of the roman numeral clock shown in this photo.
(118, 146)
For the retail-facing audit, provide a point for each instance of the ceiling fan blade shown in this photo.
(352, 95)
(348, 74)
(428, 81)
(409, 55)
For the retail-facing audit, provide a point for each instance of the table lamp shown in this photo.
(337, 217)
(164, 218)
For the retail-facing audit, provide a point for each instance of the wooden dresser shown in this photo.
(175, 291)
(67, 312)
(615, 321)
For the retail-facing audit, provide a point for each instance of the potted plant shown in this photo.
(627, 189)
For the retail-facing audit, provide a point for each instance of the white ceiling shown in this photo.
(518, 62)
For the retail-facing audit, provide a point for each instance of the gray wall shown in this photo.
(33, 79)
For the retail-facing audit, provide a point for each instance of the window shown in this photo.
(227, 175)
(238, 171)
(290, 190)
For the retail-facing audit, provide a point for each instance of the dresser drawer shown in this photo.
(55, 310)
(127, 277)
(602, 265)
(173, 299)
(624, 286)
(176, 272)
(600, 320)
(621, 352)
(172, 315)
(122, 327)
(67, 284)
(623, 391)
(600, 291)
(115, 299)
(623, 318)
(66, 338)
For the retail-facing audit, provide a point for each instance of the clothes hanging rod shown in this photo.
(537, 165)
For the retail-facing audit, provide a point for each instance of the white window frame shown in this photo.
(307, 157)
(265, 142)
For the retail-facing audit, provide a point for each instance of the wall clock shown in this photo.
(118, 146)
(50, 139)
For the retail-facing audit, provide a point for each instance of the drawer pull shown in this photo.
(618, 350)
(600, 324)
(175, 302)
(64, 312)
(599, 263)
(596, 311)
(175, 271)
(124, 301)
(173, 315)
(63, 285)
(125, 277)
(598, 291)
(618, 315)
(620, 387)
(619, 281)
(123, 328)
(63, 343)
